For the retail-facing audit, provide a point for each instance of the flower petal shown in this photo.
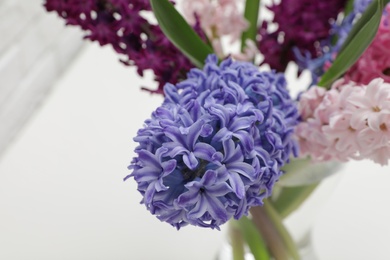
(190, 160)
(237, 184)
(216, 208)
(204, 151)
(188, 198)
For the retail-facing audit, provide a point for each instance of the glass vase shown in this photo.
(285, 222)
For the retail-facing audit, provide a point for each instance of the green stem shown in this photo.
(281, 229)
(270, 225)
(251, 14)
(252, 237)
(237, 242)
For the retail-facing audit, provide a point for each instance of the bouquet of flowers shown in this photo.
(229, 143)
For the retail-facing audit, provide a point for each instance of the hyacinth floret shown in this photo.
(215, 147)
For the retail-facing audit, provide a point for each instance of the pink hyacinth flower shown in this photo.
(218, 18)
(249, 52)
(349, 121)
(310, 101)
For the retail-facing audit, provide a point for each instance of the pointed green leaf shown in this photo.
(303, 171)
(251, 14)
(364, 19)
(179, 32)
(360, 37)
(291, 198)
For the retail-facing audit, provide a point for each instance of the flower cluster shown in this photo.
(215, 146)
(120, 23)
(301, 24)
(219, 18)
(350, 121)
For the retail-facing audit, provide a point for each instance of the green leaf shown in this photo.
(301, 172)
(252, 237)
(371, 11)
(179, 32)
(360, 37)
(251, 14)
(301, 178)
(291, 198)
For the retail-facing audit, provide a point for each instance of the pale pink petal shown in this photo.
(380, 155)
(310, 100)
(249, 52)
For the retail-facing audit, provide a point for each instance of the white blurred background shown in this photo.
(68, 112)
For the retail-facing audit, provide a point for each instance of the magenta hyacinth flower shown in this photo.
(301, 24)
(216, 145)
(119, 23)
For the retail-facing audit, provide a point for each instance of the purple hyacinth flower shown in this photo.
(215, 147)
